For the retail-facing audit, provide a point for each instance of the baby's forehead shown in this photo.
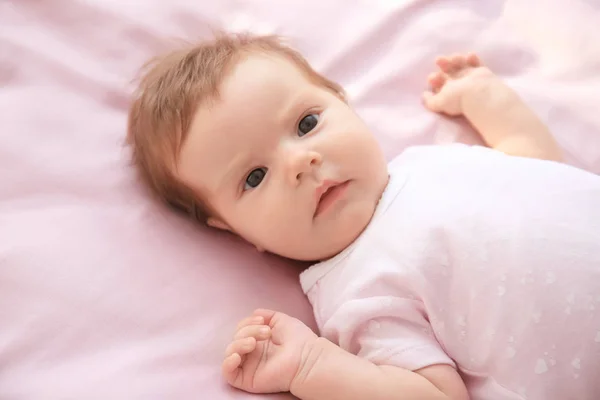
(257, 73)
(258, 90)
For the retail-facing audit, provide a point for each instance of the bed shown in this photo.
(107, 294)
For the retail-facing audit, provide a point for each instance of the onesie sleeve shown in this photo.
(386, 330)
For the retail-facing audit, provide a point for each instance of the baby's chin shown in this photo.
(339, 236)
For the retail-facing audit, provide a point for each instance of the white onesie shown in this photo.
(479, 260)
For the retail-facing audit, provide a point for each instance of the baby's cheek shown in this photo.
(281, 236)
(264, 226)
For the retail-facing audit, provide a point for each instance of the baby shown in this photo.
(453, 272)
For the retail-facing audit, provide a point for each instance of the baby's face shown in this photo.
(284, 163)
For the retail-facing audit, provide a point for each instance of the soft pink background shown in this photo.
(106, 295)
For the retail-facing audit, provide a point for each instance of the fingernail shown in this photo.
(258, 320)
(264, 330)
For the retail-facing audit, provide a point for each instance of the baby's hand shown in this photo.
(458, 74)
(266, 352)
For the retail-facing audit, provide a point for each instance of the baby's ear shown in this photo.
(217, 223)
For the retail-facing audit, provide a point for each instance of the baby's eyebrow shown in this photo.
(289, 109)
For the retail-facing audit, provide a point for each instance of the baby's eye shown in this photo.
(307, 124)
(254, 178)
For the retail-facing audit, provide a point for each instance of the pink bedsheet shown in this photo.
(107, 295)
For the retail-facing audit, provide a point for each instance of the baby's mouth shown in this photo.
(328, 194)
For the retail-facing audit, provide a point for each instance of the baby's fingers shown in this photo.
(259, 332)
(234, 357)
(253, 320)
(473, 60)
(432, 101)
(230, 369)
(436, 80)
(266, 314)
(231, 363)
(241, 347)
(458, 61)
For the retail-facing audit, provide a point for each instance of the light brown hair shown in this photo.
(170, 89)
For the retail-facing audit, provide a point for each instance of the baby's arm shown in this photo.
(329, 372)
(273, 352)
(506, 123)
(500, 116)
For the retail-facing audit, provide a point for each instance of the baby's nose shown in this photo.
(301, 164)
